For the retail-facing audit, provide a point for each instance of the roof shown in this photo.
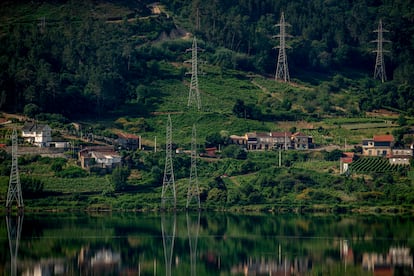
(127, 136)
(262, 134)
(383, 138)
(348, 154)
(281, 134)
(270, 134)
(105, 155)
(237, 137)
(300, 134)
(346, 159)
(98, 148)
(33, 127)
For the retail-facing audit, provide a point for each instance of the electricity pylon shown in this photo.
(194, 97)
(168, 196)
(193, 190)
(14, 230)
(379, 71)
(15, 190)
(282, 71)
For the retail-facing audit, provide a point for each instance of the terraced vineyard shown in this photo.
(374, 165)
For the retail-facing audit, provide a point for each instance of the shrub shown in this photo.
(217, 196)
(234, 151)
(72, 172)
(57, 164)
(27, 159)
(333, 155)
(31, 110)
(31, 186)
(119, 177)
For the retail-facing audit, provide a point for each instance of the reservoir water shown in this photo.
(205, 244)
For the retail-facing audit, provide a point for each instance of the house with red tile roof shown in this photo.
(346, 159)
(379, 145)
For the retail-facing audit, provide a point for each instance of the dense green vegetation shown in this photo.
(221, 241)
(116, 66)
(108, 56)
(235, 238)
(305, 181)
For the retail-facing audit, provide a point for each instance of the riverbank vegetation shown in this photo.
(305, 182)
(118, 66)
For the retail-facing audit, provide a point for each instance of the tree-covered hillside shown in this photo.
(91, 58)
(326, 35)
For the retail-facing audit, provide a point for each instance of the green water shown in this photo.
(206, 244)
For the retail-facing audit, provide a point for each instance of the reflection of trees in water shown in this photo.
(208, 243)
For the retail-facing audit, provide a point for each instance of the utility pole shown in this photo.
(15, 190)
(193, 191)
(282, 71)
(379, 72)
(194, 93)
(168, 196)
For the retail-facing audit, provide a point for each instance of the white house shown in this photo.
(99, 157)
(106, 159)
(401, 156)
(37, 134)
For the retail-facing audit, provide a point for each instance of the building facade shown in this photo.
(129, 141)
(379, 145)
(37, 134)
(273, 140)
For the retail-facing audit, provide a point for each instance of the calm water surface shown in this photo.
(205, 244)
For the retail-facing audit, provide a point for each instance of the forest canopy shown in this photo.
(85, 58)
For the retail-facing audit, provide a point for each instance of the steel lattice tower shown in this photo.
(15, 190)
(379, 71)
(193, 190)
(194, 93)
(168, 196)
(282, 71)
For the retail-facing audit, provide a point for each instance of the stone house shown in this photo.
(129, 141)
(301, 141)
